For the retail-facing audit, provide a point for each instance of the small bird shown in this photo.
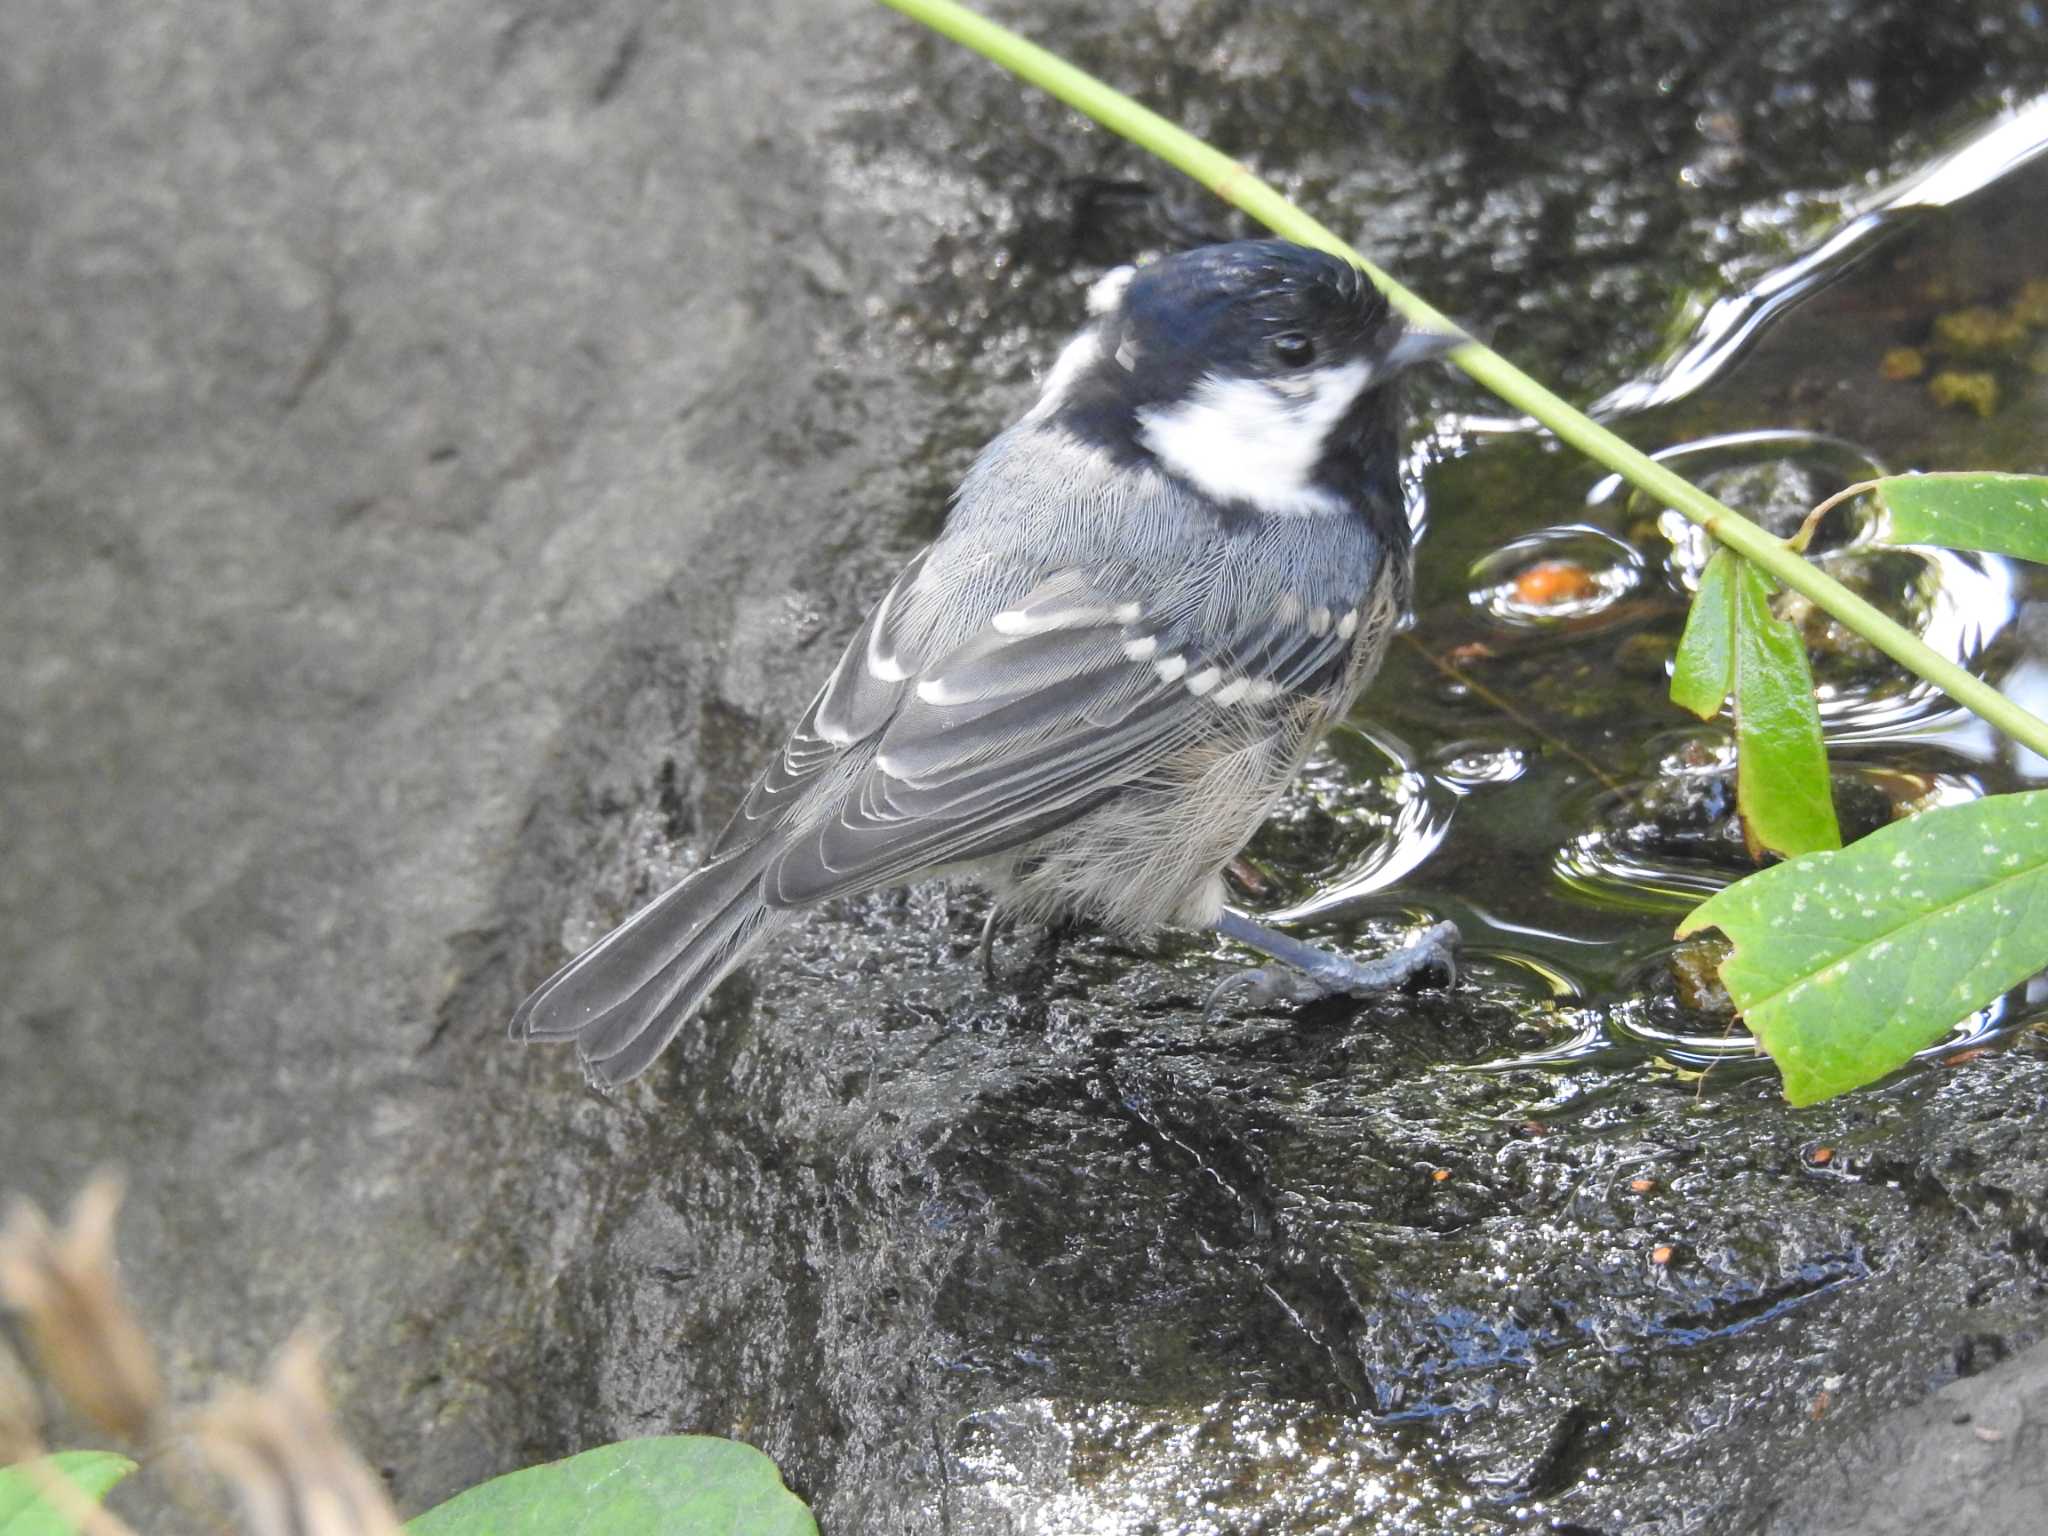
(1153, 594)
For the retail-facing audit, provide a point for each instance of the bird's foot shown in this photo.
(1310, 973)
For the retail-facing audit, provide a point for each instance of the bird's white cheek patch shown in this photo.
(1253, 441)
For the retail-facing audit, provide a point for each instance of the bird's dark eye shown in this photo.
(1294, 349)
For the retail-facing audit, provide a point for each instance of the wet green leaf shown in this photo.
(1782, 786)
(1847, 963)
(2000, 514)
(1704, 672)
(22, 1510)
(668, 1485)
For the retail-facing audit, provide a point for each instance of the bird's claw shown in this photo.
(1264, 986)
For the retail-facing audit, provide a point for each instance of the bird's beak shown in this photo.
(1412, 348)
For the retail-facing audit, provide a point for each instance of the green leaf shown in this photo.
(1847, 963)
(1704, 673)
(668, 1485)
(23, 1511)
(2000, 514)
(1782, 787)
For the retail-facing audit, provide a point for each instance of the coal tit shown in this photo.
(1152, 595)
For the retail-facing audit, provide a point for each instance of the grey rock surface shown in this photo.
(439, 450)
(369, 375)
(1973, 1457)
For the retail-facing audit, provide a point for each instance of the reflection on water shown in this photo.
(1667, 843)
(1732, 323)
(1635, 1029)
(1957, 602)
(1383, 817)
(1468, 765)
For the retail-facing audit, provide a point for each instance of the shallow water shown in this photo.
(1519, 764)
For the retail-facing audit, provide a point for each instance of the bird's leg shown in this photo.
(988, 943)
(1045, 954)
(1311, 973)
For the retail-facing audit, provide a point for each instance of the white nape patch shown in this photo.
(1076, 358)
(1170, 668)
(1251, 441)
(1107, 291)
(1141, 647)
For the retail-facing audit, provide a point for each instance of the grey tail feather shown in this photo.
(623, 999)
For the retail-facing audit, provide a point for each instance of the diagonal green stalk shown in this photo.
(1236, 184)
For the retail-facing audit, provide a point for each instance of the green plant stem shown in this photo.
(1237, 185)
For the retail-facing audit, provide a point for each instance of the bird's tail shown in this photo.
(625, 997)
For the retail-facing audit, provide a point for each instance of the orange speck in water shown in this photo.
(1554, 581)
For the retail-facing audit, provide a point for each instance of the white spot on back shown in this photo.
(1202, 681)
(1170, 667)
(1075, 358)
(1011, 622)
(1141, 647)
(1231, 691)
(887, 668)
(1244, 440)
(1107, 291)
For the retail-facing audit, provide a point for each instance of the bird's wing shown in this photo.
(1057, 703)
(858, 699)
